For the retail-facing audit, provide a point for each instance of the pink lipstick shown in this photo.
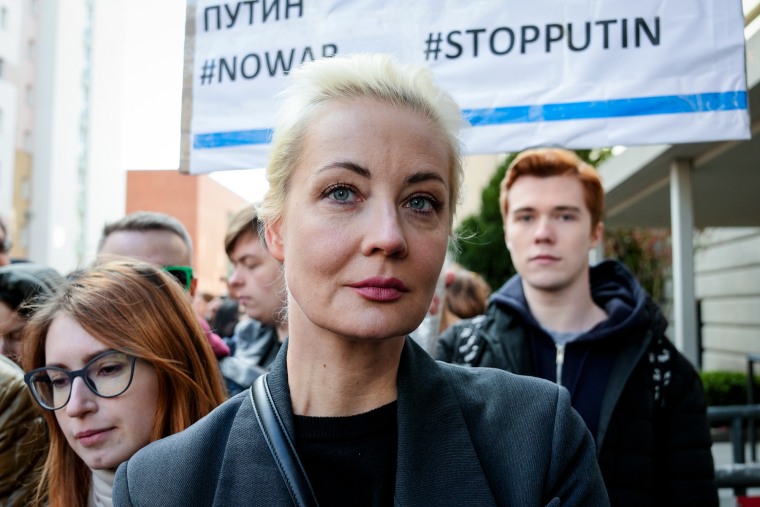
(380, 289)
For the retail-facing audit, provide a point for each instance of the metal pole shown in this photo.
(682, 221)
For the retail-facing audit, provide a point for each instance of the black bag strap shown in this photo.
(279, 443)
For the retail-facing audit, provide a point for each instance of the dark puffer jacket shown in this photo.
(649, 422)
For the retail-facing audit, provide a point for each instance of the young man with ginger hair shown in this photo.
(595, 331)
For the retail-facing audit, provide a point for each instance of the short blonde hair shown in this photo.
(377, 77)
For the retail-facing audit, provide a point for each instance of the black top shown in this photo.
(350, 460)
(466, 437)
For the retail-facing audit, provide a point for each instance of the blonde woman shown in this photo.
(364, 177)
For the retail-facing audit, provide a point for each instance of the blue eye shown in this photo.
(419, 203)
(424, 204)
(341, 193)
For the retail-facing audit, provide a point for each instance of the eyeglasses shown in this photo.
(107, 375)
(183, 274)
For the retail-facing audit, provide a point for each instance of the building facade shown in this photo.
(203, 206)
(727, 276)
(60, 68)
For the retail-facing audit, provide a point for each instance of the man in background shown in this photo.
(594, 331)
(258, 284)
(162, 240)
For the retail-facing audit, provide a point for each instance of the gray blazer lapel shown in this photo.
(249, 474)
(434, 444)
(278, 387)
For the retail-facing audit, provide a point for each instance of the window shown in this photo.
(3, 17)
(25, 189)
(28, 141)
(31, 48)
(2, 63)
(1, 121)
(29, 95)
(24, 236)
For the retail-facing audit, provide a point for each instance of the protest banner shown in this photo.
(571, 73)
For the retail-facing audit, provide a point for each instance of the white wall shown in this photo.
(106, 180)
(77, 183)
(53, 223)
(8, 100)
(727, 270)
(10, 37)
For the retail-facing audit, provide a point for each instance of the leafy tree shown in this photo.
(481, 243)
(647, 254)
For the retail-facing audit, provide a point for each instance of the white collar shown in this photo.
(100, 491)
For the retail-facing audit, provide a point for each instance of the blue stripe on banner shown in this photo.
(233, 138)
(616, 108)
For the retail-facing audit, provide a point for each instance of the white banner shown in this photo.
(571, 73)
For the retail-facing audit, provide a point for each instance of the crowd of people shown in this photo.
(122, 385)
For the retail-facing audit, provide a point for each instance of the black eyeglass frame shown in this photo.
(72, 375)
(186, 271)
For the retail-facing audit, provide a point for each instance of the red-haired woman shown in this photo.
(117, 360)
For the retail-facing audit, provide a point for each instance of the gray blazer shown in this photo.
(466, 436)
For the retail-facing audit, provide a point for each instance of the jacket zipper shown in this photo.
(560, 361)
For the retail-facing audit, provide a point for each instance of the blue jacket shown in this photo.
(465, 437)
